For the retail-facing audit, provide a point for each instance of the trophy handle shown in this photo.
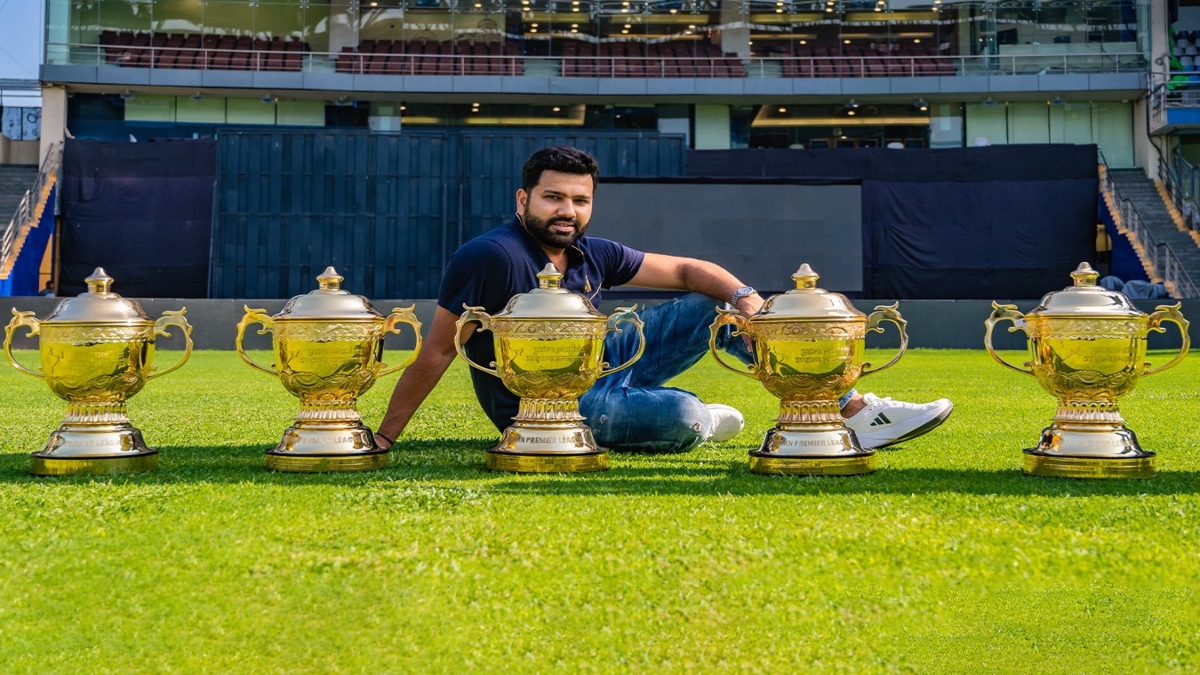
(1170, 313)
(398, 316)
(252, 317)
(485, 320)
(1004, 313)
(162, 327)
(19, 319)
(728, 317)
(629, 315)
(886, 313)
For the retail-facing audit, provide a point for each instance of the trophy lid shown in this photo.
(98, 305)
(806, 301)
(329, 301)
(550, 301)
(1085, 298)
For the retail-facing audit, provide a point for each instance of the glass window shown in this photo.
(227, 17)
(660, 38)
(848, 125)
(178, 16)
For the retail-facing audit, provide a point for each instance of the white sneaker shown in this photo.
(884, 421)
(727, 422)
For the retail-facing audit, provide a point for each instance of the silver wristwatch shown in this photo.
(741, 293)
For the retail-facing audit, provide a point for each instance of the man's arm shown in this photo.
(437, 353)
(690, 274)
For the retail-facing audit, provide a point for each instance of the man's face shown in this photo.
(556, 211)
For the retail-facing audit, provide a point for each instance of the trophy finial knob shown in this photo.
(330, 280)
(1084, 275)
(805, 277)
(99, 282)
(549, 277)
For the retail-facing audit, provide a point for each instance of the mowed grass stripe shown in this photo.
(947, 559)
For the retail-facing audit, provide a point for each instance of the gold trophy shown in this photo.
(328, 351)
(808, 352)
(96, 352)
(549, 343)
(1087, 347)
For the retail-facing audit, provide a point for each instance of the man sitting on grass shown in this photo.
(630, 410)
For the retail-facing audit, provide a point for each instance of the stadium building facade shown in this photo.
(727, 74)
(657, 79)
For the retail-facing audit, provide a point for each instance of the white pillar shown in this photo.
(712, 127)
(54, 118)
(1161, 42)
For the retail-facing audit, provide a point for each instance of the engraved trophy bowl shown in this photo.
(808, 352)
(97, 351)
(1087, 347)
(549, 347)
(328, 347)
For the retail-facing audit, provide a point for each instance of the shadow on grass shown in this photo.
(417, 460)
(734, 479)
(461, 461)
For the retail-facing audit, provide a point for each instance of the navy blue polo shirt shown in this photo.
(490, 269)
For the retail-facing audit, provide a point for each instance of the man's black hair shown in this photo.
(561, 158)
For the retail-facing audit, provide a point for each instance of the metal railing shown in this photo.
(948, 65)
(29, 210)
(1182, 182)
(1174, 273)
(604, 66)
(1160, 257)
(1171, 91)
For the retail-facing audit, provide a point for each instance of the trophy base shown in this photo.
(41, 465)
(547, 448)
(320, 448)
(325, 463)
(813, 466)
(827, 450)
(94, 450)
(513, 463)
(1102, 453)
(1057, 466)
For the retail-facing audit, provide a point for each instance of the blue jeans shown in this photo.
(632, 410)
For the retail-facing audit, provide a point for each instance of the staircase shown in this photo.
(1163, 224)
(15, 180)
(30, 222)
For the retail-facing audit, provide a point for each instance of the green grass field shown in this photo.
(946, 560)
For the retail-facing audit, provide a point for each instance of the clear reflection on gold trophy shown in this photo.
(1087, 347)
(97, 351)
(328, 351)
(549, 345)
(808, 349)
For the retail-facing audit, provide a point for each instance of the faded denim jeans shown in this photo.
(632, 410)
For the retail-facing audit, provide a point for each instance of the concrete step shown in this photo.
(15, 180)
(1147, 201)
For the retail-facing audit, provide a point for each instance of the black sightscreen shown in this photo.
(1007, 221)
(142, 211)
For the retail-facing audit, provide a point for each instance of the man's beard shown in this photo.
(541, 230)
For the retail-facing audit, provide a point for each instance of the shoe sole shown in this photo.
(921, 430)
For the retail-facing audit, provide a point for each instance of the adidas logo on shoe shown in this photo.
(884, 421)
